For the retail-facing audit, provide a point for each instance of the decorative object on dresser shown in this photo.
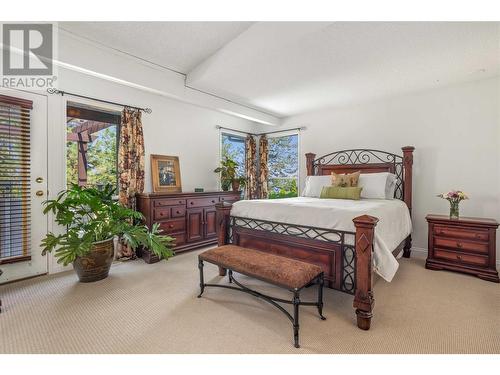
(228, 178)
(464, 245)
(166, 174)
(454, 197)
(188, 217)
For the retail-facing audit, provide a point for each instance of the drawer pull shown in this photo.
(177, 212)
(440, 232)
(459, 257)
(478, 236)
(161, 213)
(192, 203)
(459, 245)
(213, 201)
(171, 226)
(180, 202)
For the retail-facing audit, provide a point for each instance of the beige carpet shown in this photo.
(144, 308)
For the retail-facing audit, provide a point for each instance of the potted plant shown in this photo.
(227, 172)
(93, 219)
(238, 182)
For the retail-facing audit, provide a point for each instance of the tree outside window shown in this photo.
(283, 164)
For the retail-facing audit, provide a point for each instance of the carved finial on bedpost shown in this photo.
(408, 170)
(310, 163)
(363, 296)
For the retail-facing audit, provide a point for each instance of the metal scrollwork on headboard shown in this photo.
(364, 158)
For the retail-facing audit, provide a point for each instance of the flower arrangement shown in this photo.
(454, 197)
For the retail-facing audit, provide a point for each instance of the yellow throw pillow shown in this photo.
(345, 180)
(337, 192)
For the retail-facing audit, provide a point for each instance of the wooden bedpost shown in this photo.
(223, 211)
(407, 189)
(310, 163)
(363, 297)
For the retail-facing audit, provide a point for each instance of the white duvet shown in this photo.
(393, 227)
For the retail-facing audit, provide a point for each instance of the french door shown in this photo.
(23, 183)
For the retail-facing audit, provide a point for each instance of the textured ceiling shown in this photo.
(174, 45)
(286, 68)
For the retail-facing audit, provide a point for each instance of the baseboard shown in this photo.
(421, 252)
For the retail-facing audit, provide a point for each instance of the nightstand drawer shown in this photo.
(476, 247)
(474, 260)
(462, 233)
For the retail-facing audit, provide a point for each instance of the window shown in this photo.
(92, 147)
(233, 147)
(283, 164)
(15, 180)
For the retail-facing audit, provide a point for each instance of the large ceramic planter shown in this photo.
(95, 266)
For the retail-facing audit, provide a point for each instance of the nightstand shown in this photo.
(465, 245)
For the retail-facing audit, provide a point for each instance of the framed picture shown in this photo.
(166, 174)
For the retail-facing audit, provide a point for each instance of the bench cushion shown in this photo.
(275, 269)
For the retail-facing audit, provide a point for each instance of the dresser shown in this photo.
(189, 217)
(465, 245)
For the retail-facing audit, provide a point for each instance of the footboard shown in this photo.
(345, 257)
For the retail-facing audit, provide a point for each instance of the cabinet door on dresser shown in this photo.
(210, 222)
(194, 217)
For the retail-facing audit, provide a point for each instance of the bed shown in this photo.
(353, 241)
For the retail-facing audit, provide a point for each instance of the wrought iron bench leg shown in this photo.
(296, 304)
(321, 282)
(230, 273)
(202, 281)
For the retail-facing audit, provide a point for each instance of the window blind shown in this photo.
(15, 197)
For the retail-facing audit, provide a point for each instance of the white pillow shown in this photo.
(314, 185)
(377, 185)
(391, 186)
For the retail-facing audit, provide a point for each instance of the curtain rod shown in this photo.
(62, 93)
(258, 134)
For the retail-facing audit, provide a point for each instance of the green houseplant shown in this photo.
(228, 177)
(93, 219)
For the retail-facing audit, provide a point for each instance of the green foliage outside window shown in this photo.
(283, 164)
(101, 159)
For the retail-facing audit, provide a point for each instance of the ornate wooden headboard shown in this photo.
(368, 161)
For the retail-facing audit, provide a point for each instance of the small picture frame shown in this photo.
(166, 174)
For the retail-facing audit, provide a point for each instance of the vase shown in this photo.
(95, 265)
(454, 210)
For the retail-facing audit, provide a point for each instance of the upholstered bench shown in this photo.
(284, 272)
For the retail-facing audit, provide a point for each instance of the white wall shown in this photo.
(456, 133)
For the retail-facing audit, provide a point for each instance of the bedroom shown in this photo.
(290, 153)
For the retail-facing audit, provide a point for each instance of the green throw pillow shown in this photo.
(337, 192)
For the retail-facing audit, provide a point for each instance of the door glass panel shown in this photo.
(15, 200)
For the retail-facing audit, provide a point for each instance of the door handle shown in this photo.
(39, 180)
(39, 193)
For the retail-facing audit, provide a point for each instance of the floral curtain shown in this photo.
(263, 169)
(130, 165)
(251, 172)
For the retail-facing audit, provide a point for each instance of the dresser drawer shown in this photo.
(168, 202)
(161, 214)
(172, 226)
(229, 198)
(201, 202)
(460, 245)
(471, 259)
(462, 233)
(178, 211)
